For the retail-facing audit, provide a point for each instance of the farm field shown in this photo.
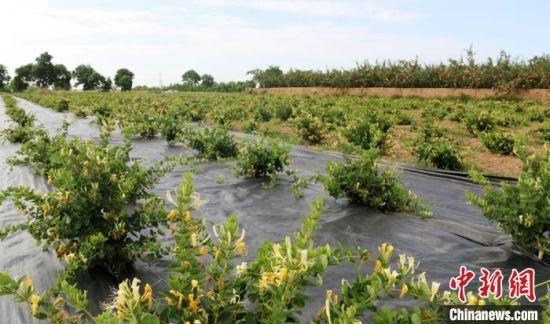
(270, 162)
(454, 134)
(370, 219)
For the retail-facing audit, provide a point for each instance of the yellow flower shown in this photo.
(148, 296)
(378, 267)
(50, 180)
(193, 304)
(210, 294)
(57, 301)
(194, 283)
(177, 294)
(35, 300)
(194, 240)
(171, 214)
(187, 217)
(404, 290)
(474, 300)
(240, 247)
(282, 276)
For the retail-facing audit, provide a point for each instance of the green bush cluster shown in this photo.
(366, 135)
(213, 143)
(478, 122)
(362, 182)
(23, 129)
(498, 142)
(522, 209)
(98, 206)
(436, 150)
(260, 158)
(311, 128)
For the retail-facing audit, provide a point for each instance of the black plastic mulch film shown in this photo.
(456, 235)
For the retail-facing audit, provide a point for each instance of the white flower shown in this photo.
(241, 269)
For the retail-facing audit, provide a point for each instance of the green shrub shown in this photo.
(22, 132)
(17, 134)
(213, 143)
(172, 126)
(477, 122)
(436, 150)
(144, 126)
(61, 105)
(283, 112)
(544, 131)
(262, 158)
(16, 113)
(250, 126)
(361, 182)
(433, 112)
(439, 153)
(311, 128)
(401, 118)
(498, 142)
(429, 130)
(262, 114)
(366, 135)
(522, 209)
(92, 209)
(458, 113)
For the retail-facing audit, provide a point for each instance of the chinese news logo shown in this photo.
(520, 284)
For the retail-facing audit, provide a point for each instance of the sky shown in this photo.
(159, 40)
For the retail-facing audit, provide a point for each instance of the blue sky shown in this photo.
(226, 38)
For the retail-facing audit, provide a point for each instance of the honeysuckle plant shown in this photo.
(522, 209)
(361, 181)
(23, 122)
(212, 143)
(98, 205)
(262, 158)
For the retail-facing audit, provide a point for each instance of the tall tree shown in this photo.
(191, 77)
(23, 77)
(88, 77)
(271, 77)
(107, 85)
(4, 77)
(62, 80)
(43, 70)
(207, 80)
(124, 79)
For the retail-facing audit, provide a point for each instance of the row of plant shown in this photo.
(503, 74)
(208, 284)
(361, 181)
(23, 122)
(345, 123)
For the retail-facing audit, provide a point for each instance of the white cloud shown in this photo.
(171, 38)
(324, 8)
